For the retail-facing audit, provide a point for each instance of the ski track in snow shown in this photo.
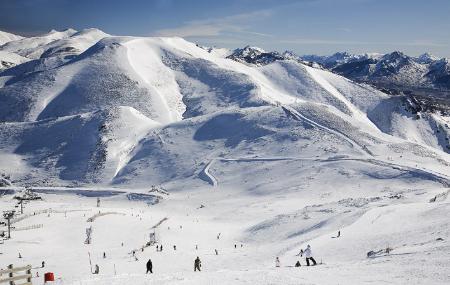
(207, 176)
(297, 116)
(136, 60)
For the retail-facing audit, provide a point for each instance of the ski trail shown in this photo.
(298, 117)
(421, 173)
(314, 73)
(144, 64)
(207, 176)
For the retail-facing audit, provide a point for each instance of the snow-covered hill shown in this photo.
(8, 37)
(180, 86)
(261, 147)
(9, 59)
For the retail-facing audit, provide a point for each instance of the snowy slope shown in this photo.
(183, 88)
(8, 59)
(273, 156)
(32, 47)
(8, 37)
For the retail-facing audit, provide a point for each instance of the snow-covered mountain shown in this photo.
(9, 59)
(269, 150)
(189, 96)
(259, 57)
(393, 70)
(7, 37)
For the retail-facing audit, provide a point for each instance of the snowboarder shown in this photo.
(197, 264)
(277, 262)
(149, 266)
(20, 256)
(308, 255)
(297, 264)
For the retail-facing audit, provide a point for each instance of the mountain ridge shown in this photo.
(127, 104)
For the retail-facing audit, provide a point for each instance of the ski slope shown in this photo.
(177, 138)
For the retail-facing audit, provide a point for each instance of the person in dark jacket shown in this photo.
(149, 266)
(197, 264)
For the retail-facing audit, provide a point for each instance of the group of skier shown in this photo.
(307, 252)
(197, 265)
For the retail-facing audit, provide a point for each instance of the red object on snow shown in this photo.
(49, 276)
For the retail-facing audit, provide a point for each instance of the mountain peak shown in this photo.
(426, 58)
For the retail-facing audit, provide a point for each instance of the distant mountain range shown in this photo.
(392, 72)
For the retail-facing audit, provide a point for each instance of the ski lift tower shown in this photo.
(8, 215)
(152, 238)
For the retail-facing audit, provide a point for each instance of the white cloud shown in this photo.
(215, 27)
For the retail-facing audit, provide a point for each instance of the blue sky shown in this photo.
(304, 26)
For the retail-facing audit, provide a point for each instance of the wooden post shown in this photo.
(29, 278)
(14, 274)
(11, 274)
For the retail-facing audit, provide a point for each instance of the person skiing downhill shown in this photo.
(149, 266)
(308, 255)
(277, 262)
(197, 264)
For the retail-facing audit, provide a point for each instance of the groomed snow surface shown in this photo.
(266, 228)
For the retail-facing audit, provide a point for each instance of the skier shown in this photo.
(149, 266)
(174, 247)
(43, 264)
(97, 269)
(157, 248)
(216, 251)
(235, 246)
(197, 264)
(160, 248)
(104, 254)
(308, 255)
(339, 234)
(277, 262)
(297, 264)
